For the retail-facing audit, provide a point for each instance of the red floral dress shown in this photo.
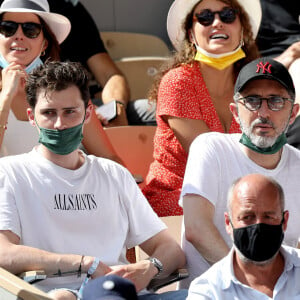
(182, 93)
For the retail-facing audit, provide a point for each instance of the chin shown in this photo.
(263, 141)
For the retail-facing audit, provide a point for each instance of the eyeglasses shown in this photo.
(30, 29)
(206, 17)
(275, 103)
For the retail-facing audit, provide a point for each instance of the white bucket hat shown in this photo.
(59, 24)
(181, 8)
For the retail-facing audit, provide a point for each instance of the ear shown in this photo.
(227, 223)
(88, 112)
(294, 113)
(45, 45)
(191, 36)
(234, 110)
(30, 115)
(286, 216)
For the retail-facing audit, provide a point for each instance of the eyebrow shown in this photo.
(55, 109)
(254, 213)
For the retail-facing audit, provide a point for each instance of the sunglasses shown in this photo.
(30, 29)
(206, 17)
(275, 103)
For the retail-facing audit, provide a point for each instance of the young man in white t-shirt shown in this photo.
(264, 106)
(68, 213)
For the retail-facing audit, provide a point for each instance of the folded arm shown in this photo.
(18, 258)
(109, 77)
(200, 229)
(186, 130)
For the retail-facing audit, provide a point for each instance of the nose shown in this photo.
(258, 220)
(19, 33)
(217, 21)
(58, 124)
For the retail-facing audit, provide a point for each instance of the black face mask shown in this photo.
(258, 242)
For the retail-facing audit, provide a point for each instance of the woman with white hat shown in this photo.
(30, 34)
(213, 39)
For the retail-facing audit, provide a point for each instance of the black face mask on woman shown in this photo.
(258, 242)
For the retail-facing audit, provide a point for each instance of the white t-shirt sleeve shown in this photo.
(9, 217)
(202, 170)
(143, 221)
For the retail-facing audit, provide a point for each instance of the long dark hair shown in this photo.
(186, 53)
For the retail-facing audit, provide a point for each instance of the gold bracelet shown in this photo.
(3, 126)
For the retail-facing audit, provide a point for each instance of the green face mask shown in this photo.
(63, 141)
(281, 140)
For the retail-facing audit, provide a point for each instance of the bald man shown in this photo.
(258, 265)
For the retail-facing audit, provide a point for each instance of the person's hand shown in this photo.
(103, 120)
(13, 80)
(289, 55)
(101, 270)
(139, 273)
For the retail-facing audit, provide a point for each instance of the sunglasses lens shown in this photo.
(227, 15)
(31, 30)
(8, 28)
(206, 17)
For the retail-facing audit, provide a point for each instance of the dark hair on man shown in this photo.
(57, 76)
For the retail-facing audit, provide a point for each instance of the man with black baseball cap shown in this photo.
(264, 107)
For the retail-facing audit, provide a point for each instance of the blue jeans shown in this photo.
(173, 295)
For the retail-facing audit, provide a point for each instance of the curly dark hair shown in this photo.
(57, 76)
(186, 53)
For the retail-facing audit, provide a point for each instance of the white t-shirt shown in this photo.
(96, 210)
(215, 161)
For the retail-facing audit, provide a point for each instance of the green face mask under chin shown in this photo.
(63, 141)
(281, 140)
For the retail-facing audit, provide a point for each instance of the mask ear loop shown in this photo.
(230, 222)
(194, 39)
(242, 43)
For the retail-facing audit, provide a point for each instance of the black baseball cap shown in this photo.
(110, 287)
(265, 68)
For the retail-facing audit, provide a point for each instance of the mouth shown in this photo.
(219, 36)
(263, 126)
(263, 129)
(18, 49)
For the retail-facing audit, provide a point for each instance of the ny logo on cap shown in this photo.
(263, 67)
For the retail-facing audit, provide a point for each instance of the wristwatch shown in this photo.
(157, 264)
